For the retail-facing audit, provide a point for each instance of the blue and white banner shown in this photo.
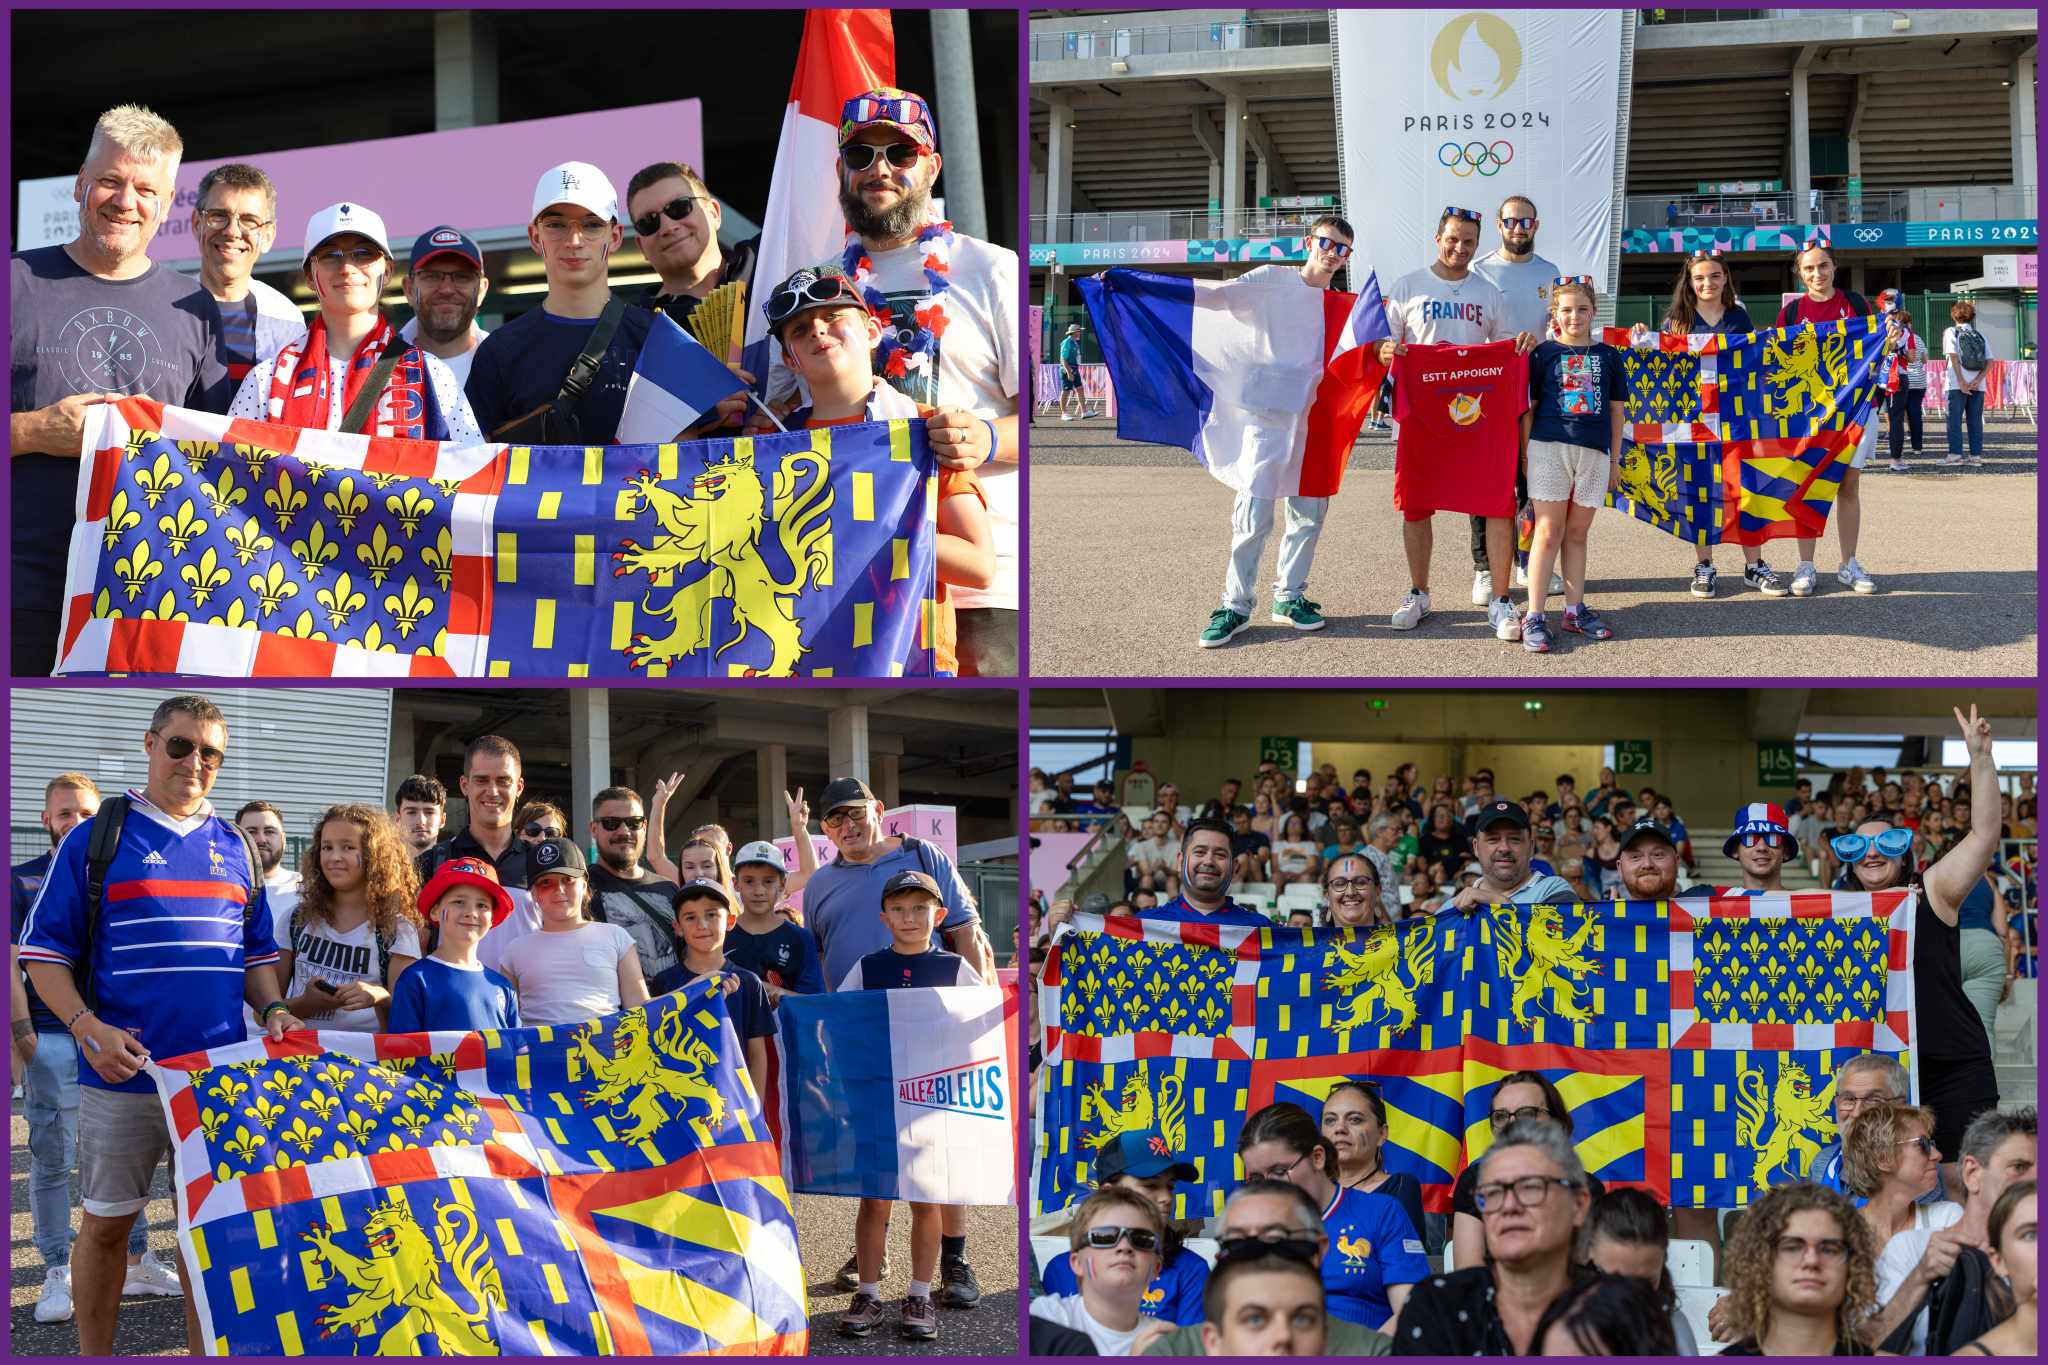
(904, 1094)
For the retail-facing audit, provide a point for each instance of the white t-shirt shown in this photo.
(322, 952)
(1904, 1251)
(1424, 310)
(524, 920)
(1069, 1310)
(252, 400)
(459, 365)
(568, 976)
(279, 321)
(1957, 375)
(1161, 852)
(1526, 287)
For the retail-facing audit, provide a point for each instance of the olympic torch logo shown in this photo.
(1475, 56)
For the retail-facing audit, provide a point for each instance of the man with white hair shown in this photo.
(94, 320)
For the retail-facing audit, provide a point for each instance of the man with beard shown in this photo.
(948, 307)
(676, 220)
(1761, 845)
(1504, 847)
(1647, 862)
(235, 223)
(1205, 868)
(623, 892)
(446, 297)
(265, 827)
(491, 787)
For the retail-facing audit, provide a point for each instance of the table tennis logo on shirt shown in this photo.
(975, 1089)
(1464, 408)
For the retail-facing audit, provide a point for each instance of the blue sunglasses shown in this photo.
(1893, 843)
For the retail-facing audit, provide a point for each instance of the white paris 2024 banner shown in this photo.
(1460, 108)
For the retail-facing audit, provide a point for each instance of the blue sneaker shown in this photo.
(1535, 635)
(1583, 620)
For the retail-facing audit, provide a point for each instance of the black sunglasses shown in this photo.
(180, 749)
(676, 209)
(858, 156)
(611, 824)
(1300, 1249)
(1103, 1236)
(536, 830)
(787, 302)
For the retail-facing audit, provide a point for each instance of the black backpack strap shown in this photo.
(103, 841)
(583, 370)
(358, 415)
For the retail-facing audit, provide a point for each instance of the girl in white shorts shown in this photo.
(1571, 439)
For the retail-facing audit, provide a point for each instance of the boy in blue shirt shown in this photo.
(701, 911)
(782, 954)
(450, 989)
(911, 907)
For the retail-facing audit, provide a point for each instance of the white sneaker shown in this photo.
(1951, 462)
(1482, 588)
(1556, 583)
(151, 1276)
(1521, 575)
(1804, 579)
(1066, 417)
(1853, 576)
(1413, 608)
(1899, 467)
(54, 1304)
(1505, 620)
(1975, 462)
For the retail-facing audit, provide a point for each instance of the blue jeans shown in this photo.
(49, 1094)
(1966, 407)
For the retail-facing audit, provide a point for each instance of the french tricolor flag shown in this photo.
(1265, 379)
(675, 382)
(844, 52)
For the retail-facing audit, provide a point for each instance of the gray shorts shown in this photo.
(122, 1138)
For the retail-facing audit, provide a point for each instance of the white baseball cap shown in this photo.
(578, 183)
(336, 219)
(760, 851)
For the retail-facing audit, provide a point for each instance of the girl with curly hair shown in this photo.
(354, 929)
(1802, 1275)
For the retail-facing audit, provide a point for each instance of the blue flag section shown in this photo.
(1694, 1040)
(811, 553)
(603, 1189)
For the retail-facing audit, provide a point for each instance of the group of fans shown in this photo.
(1569, 450)
(914, 320)
(155, 927)
(1912, 1233)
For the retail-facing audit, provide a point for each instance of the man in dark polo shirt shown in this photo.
(491, 786)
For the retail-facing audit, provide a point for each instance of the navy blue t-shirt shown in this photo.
(1569, 390)
(752, 1017)
(786, 956)
(23, 881)
(432, 994)
(522, 365)
(890, 970)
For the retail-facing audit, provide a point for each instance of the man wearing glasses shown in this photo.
(622, 890)
(235, 223)
(516, 380)
(1761, 846)
(1251, 518)
(445, 284)
(179, 899)
(676, 220)
(491, 787)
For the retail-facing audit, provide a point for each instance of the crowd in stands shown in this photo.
(393, 923)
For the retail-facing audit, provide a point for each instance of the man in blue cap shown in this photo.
(445, 284)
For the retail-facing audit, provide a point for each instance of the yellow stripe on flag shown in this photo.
(509, 1236)
(550, 505)
(521, 458)
(899, 558)
(238, 1281)
(899, 441)
(266, 1229)
(288, 1334)
(540, 1337)
(622, 624)
(665, 462)
(558, 1291)
(508, 557)
(586, 561)
(931, 499)
(544, 623)
(593, 464)
(863, 495)
(821, 441)
(199, 1250)
(863, 624)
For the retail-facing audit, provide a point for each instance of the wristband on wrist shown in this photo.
(72, 1022)
(993, 441)
(272, 1008)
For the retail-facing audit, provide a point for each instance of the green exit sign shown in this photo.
(1776, 764)
(1282, 750)
(1632, 758)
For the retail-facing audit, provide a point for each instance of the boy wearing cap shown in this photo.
(1142, 1162)
(783, 955)
(450, 989)
(572, 970)
(520, 369)
(827, 337)
(445, 284)
(702, 910)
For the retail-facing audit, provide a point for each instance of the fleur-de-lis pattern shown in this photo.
(1147, 987)
(1787, 971)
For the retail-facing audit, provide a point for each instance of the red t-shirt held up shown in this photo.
(1460, 410)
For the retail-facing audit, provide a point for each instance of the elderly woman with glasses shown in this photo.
(351, 371)
(1517, 1096)
(1532, 1192)
(1802, 1275)
(1890, 1162)
(1375, 1254)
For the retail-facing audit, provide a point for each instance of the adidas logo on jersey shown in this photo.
(155, 859)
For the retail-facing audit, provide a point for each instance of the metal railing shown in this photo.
(1171, 225)
(1916, 204)
(1170, 39)
(995, 893)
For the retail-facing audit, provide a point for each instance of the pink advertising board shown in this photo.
(475, 178)
(1050, 855)
(933, 824)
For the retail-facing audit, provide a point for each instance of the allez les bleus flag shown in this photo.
(1264, 379)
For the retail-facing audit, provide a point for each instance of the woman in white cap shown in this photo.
(351, 371)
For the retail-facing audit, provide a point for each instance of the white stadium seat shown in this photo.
(1044, 1249)
(1694, 1302)
(1264, 891)
(1690, 1262)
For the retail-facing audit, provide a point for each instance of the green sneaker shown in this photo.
(1223, 628)
(1300, 613)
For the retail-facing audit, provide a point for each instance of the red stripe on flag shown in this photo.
(106, 470)
(412, 459)
(1244, 1006)
(75, 619)
(1857, 1033)
(148, 887)
(430, 666)
(403, 1167)
(845, 52)
(1900, 1022)
(490, 480)
(1770, 1038)
(286, 656)
(145, 646)
(263, 435)
(1347, 388)
(469, 595)
(184, 1113)
(1681, 990)
(274, 1189)
(1079, 1047)
(1895, 951)
(141, 414)
(1681, 918)
(1813, 904)
(1151, 1043)
(195, 1194)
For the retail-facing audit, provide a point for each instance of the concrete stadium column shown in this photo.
(2022, 75)
(401, 759)
(1799, 158)
(888, 783)
(590, 750)
(1059, 167)
(953, 64)
(771, 780)
(465, 69)
(1262, 181)
(846, 743)
(1233, 158)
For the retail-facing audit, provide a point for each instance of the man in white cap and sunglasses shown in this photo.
(558, 373)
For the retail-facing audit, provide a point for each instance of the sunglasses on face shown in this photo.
(787, 302)
(675, 210)
(1893, 843)
(1767, 840)
(1331, 245)
(1522, 224)
(179, 748)
(1925, 1144)
(1586, 280)
(858, 156)
(1295, 1245)
(536, 830)
(360, 257)
(1463, 215)
(612, 824)
(1103, 1236)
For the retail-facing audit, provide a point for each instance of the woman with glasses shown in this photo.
(1517, 1096)
(351, 371)
(1375, 1253)
(1890, 1162)
(1355, 1121)
(1802, 1275)
(1531, 1190)
(1116, 1239)
(538, 820)
(1351, 889)
(1957, 1078)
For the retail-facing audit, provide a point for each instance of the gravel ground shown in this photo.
(1108, 602)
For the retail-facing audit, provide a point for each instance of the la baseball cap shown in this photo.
(1493, 812)
(910, 879)
(549, 856)
(578, 183)
(466, 872)
(888, 107)
(763, 852)
(701, 886)
(1761, 817)
(1643, 827)
(336, 219)
(444, 241)
(844, 791)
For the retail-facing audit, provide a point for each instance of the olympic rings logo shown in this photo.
(1869, 234)
(1486, 159)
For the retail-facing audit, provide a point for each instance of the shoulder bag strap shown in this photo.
(583, 370)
